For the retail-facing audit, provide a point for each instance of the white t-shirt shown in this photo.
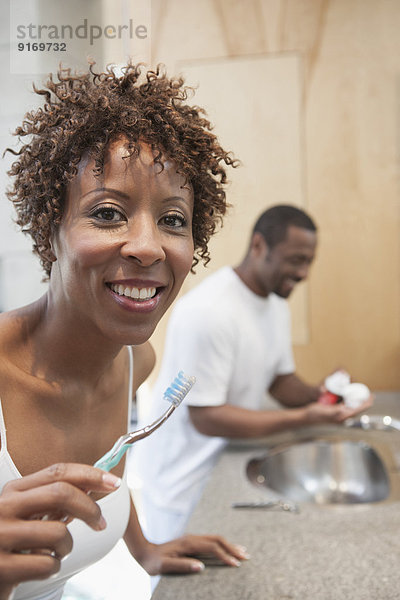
(235, 343)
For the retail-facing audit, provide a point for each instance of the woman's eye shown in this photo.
(174, 220)
(109, 214)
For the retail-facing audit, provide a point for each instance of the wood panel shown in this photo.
(348, 54)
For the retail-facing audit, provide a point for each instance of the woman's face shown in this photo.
(124, 245)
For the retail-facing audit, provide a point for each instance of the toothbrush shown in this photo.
(175, 393)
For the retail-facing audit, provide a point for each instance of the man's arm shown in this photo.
(236, 422)
(291, 391)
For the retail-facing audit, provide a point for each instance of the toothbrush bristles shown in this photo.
(178, 389)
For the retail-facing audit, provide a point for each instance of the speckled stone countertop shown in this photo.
(335, 552)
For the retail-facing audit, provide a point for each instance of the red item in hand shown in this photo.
(328, 398)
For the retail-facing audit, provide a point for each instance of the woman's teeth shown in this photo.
(135, 293)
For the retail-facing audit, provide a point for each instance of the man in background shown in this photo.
(233, 333)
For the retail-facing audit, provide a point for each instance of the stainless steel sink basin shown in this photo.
(323, 471)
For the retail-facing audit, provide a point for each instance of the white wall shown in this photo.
(20, 275)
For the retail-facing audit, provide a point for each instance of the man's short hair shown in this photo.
(274, 222)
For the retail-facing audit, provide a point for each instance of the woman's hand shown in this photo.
(31, 546)
(186, 554)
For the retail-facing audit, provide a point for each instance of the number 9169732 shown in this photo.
(42, 46)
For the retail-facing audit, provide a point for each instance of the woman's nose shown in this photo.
(143, 242)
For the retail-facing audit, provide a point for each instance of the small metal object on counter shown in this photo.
(282, 504)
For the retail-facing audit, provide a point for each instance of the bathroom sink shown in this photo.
(323, 471)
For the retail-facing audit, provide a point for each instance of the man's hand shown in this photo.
(185, 554)
(333, 413)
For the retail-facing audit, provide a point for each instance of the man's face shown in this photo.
(279, 269)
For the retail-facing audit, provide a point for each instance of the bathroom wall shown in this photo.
(19, 271)
(306, 94)
(342, 105)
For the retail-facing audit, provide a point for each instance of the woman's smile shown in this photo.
(137, 296)
(136, 293)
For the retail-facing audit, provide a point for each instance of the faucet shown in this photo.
(374, 422)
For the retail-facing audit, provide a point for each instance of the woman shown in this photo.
(119, 184)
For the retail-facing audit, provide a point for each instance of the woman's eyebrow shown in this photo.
(125, 196)
(179, 198)
(109, 190)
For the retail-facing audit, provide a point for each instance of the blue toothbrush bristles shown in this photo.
(178, 389)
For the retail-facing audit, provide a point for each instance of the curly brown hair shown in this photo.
(83, 113)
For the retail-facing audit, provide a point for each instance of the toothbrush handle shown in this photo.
(112, 457)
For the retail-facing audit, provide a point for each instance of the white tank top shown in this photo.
(89, 545)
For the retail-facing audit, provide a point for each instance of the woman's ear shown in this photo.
(49, 253)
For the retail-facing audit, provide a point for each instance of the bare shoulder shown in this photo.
(10, 333)
(16, 327)
(8, 321)
(144, 359)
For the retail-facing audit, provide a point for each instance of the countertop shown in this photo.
(334, 552)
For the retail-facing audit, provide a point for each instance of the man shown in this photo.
(233, 333)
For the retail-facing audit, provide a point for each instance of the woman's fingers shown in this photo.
(84, 477)
(59, 497)
(16, 568)
(31, 549)
(190, 553)
(239, 552)
(60, 489)
(179, 564)
(215, 546)
(53, 536)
